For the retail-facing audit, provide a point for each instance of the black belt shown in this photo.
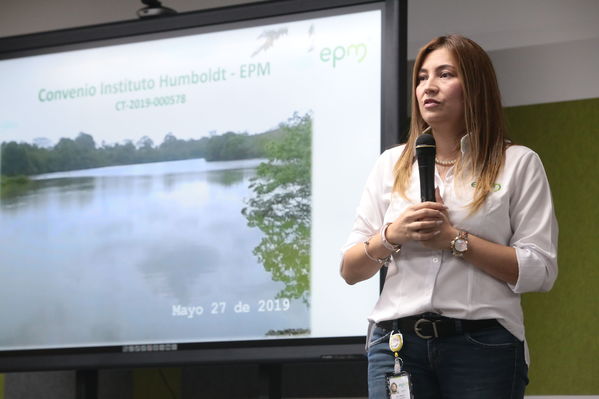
(427, 327)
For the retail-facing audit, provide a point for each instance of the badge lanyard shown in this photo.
(399, 385)
(395, 344)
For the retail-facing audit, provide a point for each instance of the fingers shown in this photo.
(424, 230)
(424, 236)
(425, 213)
(423, 221)
(431, 205)
(427, 225)
(420, 222)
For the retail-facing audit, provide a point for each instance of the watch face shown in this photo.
(461, 245)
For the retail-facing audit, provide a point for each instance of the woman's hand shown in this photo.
(446, 231)
(427, 222)
(420, 222)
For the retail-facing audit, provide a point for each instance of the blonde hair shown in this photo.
(483, 116)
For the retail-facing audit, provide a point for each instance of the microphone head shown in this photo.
(425, 141)
(426, 150)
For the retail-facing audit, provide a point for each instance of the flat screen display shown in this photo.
(194, 188)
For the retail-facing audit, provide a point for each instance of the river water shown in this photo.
(132, 254)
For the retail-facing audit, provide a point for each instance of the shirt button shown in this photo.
(435, 260)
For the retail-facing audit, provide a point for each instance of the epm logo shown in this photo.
(356, 52)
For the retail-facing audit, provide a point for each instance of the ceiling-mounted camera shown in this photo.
(154, 8)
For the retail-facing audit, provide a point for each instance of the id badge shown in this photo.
(399, 386)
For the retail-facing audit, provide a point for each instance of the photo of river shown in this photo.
(193, 187)
(143, 253)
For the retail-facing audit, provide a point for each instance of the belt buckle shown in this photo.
(417, 329)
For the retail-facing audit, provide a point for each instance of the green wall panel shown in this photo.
(153, 383)
(562, 326)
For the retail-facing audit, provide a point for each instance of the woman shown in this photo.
(457, 266)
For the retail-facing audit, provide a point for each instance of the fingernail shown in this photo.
(436, 232)
(439, 222)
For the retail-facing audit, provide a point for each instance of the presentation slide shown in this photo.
(188, 189)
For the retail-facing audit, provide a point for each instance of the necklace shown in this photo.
(445, 163)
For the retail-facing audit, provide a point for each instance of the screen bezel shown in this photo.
(393, 125)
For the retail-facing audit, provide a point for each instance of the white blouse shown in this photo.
(518, 212)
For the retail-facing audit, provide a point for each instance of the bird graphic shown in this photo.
(269, 37)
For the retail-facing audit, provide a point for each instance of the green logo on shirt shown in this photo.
(496, 186)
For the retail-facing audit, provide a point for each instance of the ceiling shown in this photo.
(495, 24)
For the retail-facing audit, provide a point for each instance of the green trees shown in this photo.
(83, 153)
(27, 159)
(14, 159)
(281, 207)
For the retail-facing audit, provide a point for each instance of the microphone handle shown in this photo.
(427, 183)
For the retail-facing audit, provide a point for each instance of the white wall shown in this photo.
(543, 50)
(502, 24)
(548, 73)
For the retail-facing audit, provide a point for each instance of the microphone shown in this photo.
(425, 154)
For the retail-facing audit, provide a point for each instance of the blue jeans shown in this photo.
(486, 364)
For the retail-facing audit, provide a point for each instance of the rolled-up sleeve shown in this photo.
(534, 227)
(374, 201)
